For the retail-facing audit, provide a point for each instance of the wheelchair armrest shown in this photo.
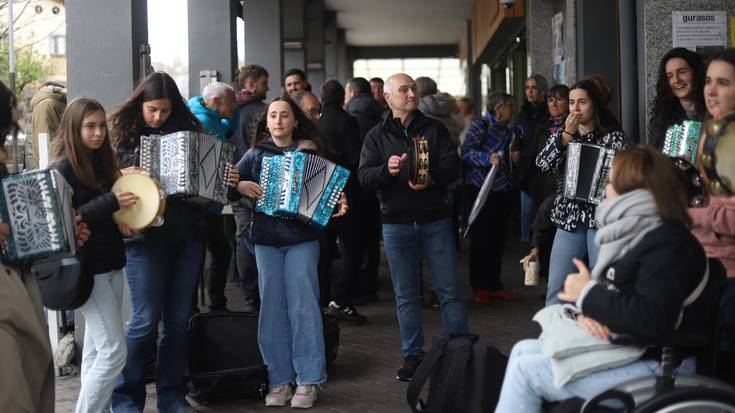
(679, 339)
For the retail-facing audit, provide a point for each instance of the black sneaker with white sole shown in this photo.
(345, 313)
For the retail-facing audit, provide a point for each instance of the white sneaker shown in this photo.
(279, 396)
(305, 396)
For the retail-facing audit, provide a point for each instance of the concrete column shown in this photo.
(212, 40)
(344, 65)
(102, 53)
(263, 38)
(293, 16)
(538, 23)
(315, 44)
(330, 46)
(598, 50)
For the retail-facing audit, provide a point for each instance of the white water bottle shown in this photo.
(532, 274)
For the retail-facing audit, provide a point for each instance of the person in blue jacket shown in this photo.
(287, 256)
(215, 109)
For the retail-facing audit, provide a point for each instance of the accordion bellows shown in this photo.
(37, 206)
(587, 172)
(301, 185)
(682, 140)
(189, 165)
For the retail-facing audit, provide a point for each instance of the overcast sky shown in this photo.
(167, 30)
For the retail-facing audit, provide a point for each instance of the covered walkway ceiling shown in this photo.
(401, 22)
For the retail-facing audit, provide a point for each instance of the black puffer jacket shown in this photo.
(399, 203)
(343, 133)
(642, 293)
(367, 111)
(105, 247)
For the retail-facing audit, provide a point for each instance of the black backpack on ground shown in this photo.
(224, 357)
(331, 337)
(464, 376)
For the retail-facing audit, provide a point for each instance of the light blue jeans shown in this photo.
(568, 245)
(404, 246)
(290, 332)
(105, 350)
(529, 379)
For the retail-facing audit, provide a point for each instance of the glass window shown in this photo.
(57, 46)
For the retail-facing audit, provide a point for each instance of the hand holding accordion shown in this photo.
(300, 185)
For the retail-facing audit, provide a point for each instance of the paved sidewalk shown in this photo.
(362, 378)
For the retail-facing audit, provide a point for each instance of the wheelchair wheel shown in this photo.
(691, 400)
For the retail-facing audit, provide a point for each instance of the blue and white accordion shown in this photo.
(682, 140)
(189, 165)
(37, 206)
(301, 185)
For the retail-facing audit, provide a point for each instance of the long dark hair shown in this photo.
(69, 143)
(641, 166)
(666, 107)
(127, 124)
(305, 129)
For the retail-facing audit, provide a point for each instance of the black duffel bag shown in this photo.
(64, 284)
(464, 376)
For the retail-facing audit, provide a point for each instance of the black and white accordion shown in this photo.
(586, 172)
(682, 140)
(301, 185)
(37, 206)
(189, 165)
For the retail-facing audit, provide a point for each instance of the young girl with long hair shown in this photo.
(573, 218)
(85, 158)
(162, 268)
(287, 255)
(679, 93)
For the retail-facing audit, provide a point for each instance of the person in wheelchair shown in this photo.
(648, 264)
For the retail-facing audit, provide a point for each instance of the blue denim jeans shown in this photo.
(529, 379)
(104, 352)
(162, 277)
(404, 246)
(567, 245)
(527, 217)
(290, 331)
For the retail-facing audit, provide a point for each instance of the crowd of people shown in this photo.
(608, 260)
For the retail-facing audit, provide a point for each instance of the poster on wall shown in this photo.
(701, 31)
(558, 47)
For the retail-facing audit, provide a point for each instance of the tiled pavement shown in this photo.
(362, 379)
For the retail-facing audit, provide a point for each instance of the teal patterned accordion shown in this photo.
(189, 165)
(681, 140)
(301, 185)
(38, 208)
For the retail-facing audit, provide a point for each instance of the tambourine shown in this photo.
(418, 160)
(148, 209)
(694, 187)
(716, 155)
